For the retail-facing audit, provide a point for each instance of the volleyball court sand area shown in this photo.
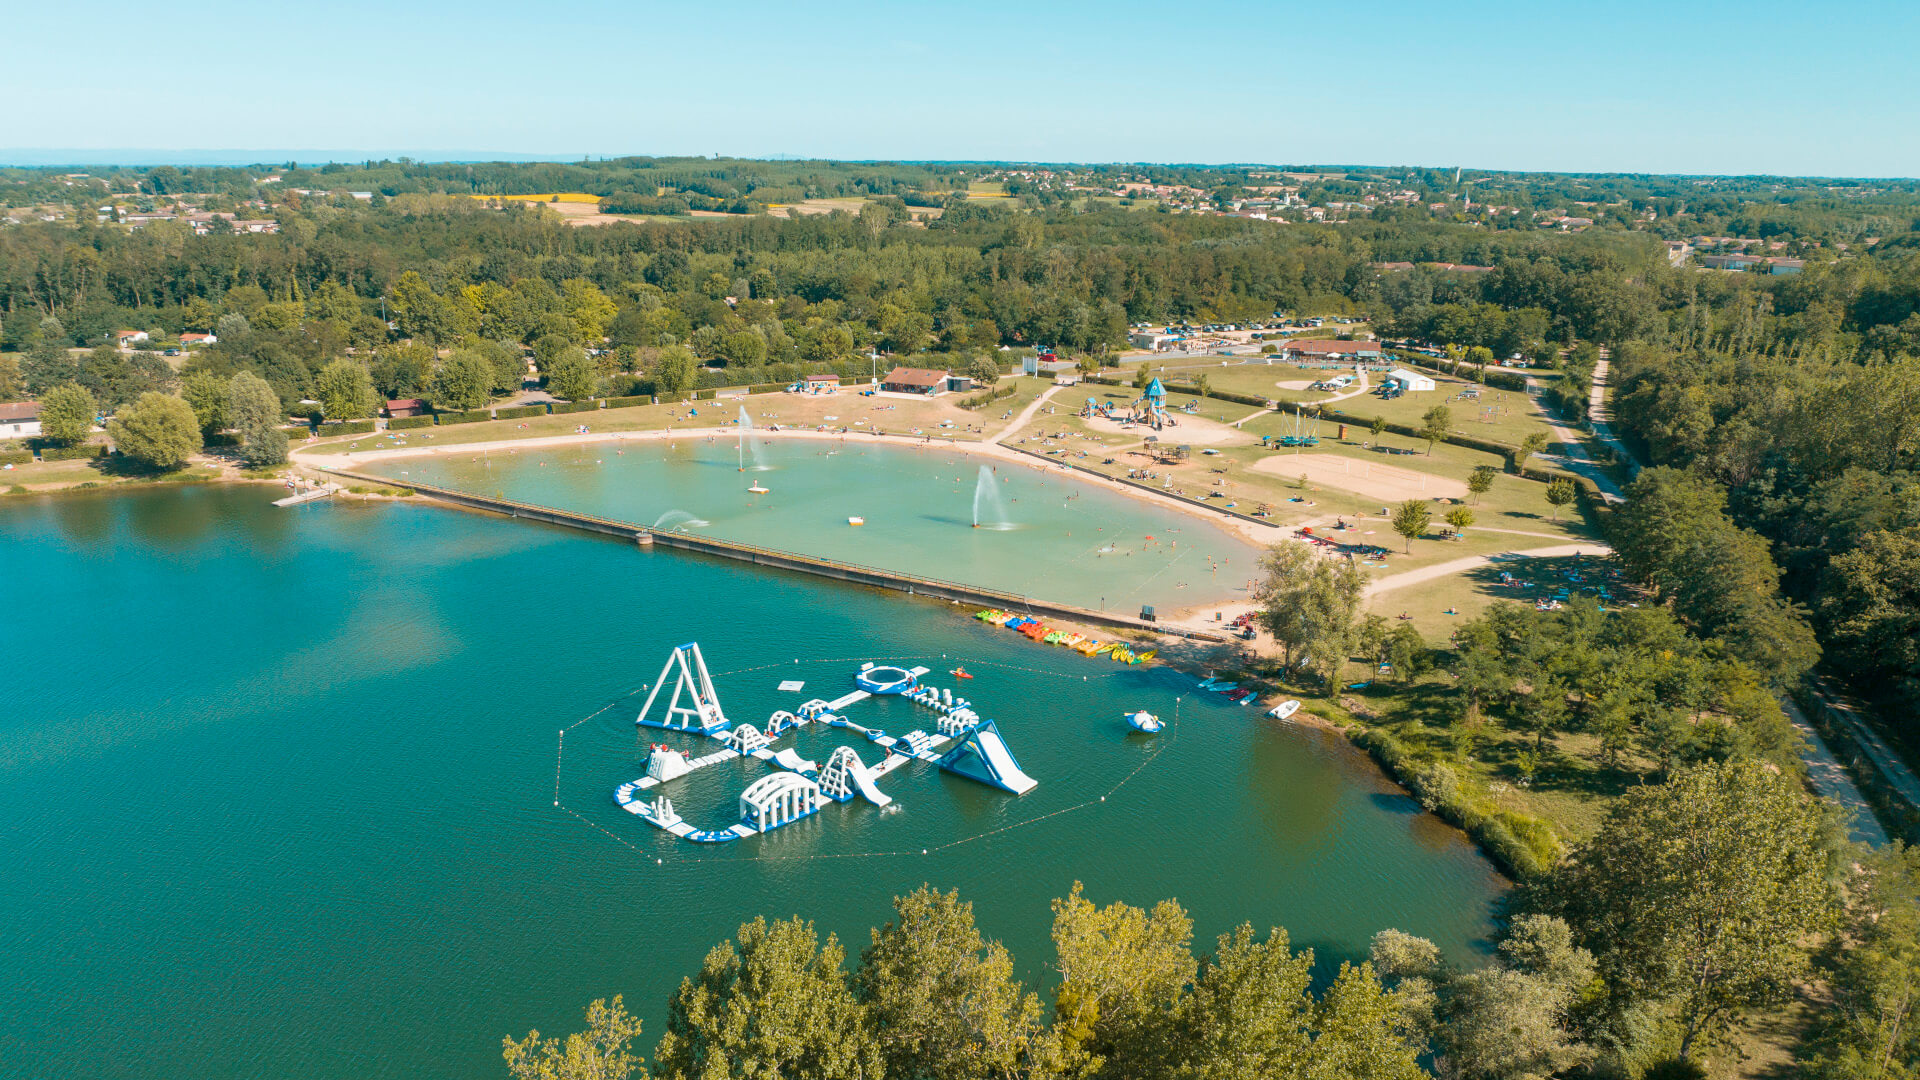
(1371, 478)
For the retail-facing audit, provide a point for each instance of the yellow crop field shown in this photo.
(552, 196)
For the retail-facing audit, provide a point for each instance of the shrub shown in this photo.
(519, 412)
(981, 400)
(15, 457)
(83, 452)
(344, 427)
(472, 417)
(589, 405)
(220, 438)
(629, 402)
(404, 423)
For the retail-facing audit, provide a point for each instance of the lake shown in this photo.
(280, 788)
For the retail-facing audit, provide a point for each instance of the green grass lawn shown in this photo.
(1572, 782)
(1506, 416)
(1470, 592)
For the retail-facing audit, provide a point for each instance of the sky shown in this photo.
(1680, 86)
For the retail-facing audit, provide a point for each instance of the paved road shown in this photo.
(1883, 757)
(1830, 779)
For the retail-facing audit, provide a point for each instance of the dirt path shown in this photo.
(1469, 562)
(1026, 414)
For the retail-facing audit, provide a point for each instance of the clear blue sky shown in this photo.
(1635, 85)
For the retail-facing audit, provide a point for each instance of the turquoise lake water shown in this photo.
(279, 788)
(1068, 540)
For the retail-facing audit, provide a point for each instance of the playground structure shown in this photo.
(801, 787)
(1301, 435)
(1150, 407)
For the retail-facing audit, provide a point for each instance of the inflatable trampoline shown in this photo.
(885, 680)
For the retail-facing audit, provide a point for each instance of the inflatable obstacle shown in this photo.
(982, 755)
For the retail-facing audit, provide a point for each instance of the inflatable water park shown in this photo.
(960, 742)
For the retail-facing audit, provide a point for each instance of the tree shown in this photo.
(12, 385)
(345, 391)
(1480, 480)
(942, 1001)
(983, 370)
(403, 371)
(1122, 970)
(1371, 637)
(254, 411)
(67, 413)
(745, 349)
(777, 1004)
(207, 393)
(1411, 519)
(464, 380)
(1310, 605)
(1535, 442)
(602, 1052)
(569, 375)
(159, 431)
(1559, 493)
(1511, 1021)
(1361, 1033)
(1434, 425)
(1545, 712)
(1378, 426)
(1701, 895)
(1200, 385)
(675, 371)
(1460, 517)
(1250, 1012)
(1406, 651)
(1870, 1030)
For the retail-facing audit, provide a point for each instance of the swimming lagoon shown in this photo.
(1054, 536)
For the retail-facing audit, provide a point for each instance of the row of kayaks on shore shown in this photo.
(1035, 630)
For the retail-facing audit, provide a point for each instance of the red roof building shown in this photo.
(906, 380)
(404, 407)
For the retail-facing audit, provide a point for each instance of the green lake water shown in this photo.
(279, 788)
(1065, 539)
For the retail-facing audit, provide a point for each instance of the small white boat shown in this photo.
(1145, 721)
(856, 521)
(757, 490)
(1284, 710)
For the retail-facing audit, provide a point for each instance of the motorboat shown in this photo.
(1145, 721)
(1284, 710)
